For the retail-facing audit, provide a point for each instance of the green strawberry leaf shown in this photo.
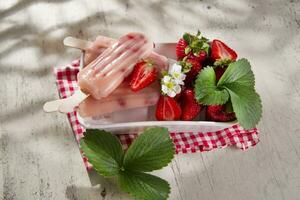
(143, 186)
(238, 73)
(188, 37)
(237, 81)
(247, 106)
(103, 151)
(152, 150)
(206, 91)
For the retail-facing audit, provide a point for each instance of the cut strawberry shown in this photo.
(167, 109)
(218, 113)
(144, 73)
(192, 46)
(190, 107)
(220, 51)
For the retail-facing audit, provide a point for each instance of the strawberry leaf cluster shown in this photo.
(152, 150)
(237, 84)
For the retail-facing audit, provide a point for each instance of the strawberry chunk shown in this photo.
(144, 73)
(220, 51)
(167, 109)
(189, 105)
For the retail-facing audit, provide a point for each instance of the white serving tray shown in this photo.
(136, 120)
(138, 126)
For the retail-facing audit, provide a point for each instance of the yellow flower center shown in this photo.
(170, 85)
(176, 75)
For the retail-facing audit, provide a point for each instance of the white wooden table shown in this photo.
(39, 158)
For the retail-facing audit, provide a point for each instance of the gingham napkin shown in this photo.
(185, 142)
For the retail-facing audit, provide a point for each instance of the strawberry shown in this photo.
(189, 105)
(144, 73)
(220, 51)
(167, 109)
(180, 47)
(193, 68)
(218, 113)
(219, 72)
(200, 58)
(193, 46)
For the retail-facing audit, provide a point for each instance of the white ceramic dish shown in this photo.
(138, 125)
(136, 120)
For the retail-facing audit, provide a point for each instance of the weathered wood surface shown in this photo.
(39, 158)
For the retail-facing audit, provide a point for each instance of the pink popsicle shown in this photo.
(120, 99)
(108, 70)
(99, 44)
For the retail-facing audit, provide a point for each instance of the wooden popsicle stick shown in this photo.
(52, 106)
(77, 43)
(65, 105)
(68, 104)
(72, 102)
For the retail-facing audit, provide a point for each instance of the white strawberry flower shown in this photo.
(169, 86)
(176, 72)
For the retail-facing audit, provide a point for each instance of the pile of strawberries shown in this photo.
(193, 52)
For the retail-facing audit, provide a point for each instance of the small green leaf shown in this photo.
(187, 37)
(152, 150)
(187, 50)
(103, 151)
(206, 91)
(144, 186)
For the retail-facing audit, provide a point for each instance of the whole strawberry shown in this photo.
(192, 67)
(219, 72)
(201, 57)
(189, 105)
(192, 46)
(180, 48)
(167, 109)
(218, 113)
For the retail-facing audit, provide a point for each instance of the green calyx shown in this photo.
(186, 66)
(222, 62)
(196, 43)
(152, 150)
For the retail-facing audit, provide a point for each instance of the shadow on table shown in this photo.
(100, 189)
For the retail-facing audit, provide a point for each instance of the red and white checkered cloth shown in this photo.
(189, 142)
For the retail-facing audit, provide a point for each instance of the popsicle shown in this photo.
(97, 48)
(108, 70)
(123, 98)
(102, 42)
